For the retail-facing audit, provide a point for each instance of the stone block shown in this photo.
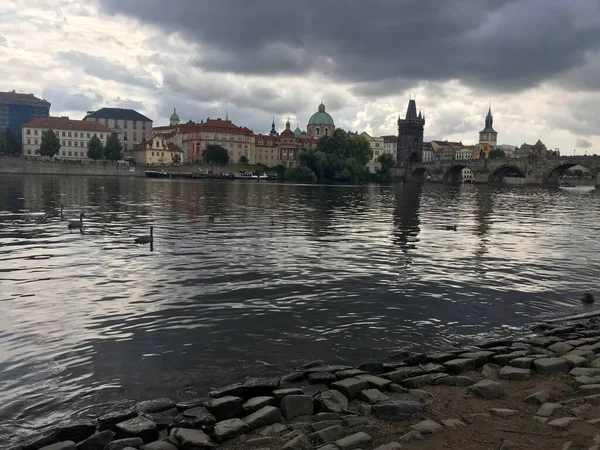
(563, 422)
(224, 408)
(256, 403)
(589, 389)
(155, 405)
(321, 378)
(375, 381)
(547, 409)
(349, 373)
(297, 405)
(229, 429)
(457, 366)
(350, 387)
(327, 435)
(372, 396)
(62, 445)
(76, 431)
(120, 444)
(300, 442)
(551, 366)
(109, 420)
(374, 368)
(538, 398)
(514, 373)
(488, 389)
(522, 363)
(456, 380)
(479, 358)
(333, 401)
(281, 393)
(263, 417)
(158, 445)
(560, 347)
(422, 380)
(258, 387)
(427, 427)
(397, 410)
(355, 441)
(402, 373)
(138, 427)
(97, 441)
(190, 439)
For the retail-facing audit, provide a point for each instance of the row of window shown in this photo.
(62, 153)
(66, 133)
(124, 123)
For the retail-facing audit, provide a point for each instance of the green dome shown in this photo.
(174, 116)
(321, 117)
(297, 131)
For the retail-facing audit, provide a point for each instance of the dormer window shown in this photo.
(45, 124)
(69, 125)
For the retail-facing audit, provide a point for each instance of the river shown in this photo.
(283, 274)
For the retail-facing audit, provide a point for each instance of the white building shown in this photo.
(131, 126)
(74, 136)
(428, 152)
(467, 175)
(465, 154)
(378, 146)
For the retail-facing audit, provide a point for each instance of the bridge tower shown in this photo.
(488, 135)
(410, 136)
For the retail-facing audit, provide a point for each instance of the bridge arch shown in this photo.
(499, 175)
(552, 176)
(418, 175)
(453, 173)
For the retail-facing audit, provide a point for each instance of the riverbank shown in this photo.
(539, 392)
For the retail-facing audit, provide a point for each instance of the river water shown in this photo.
(283, 274)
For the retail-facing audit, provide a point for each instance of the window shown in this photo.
(46, 123)
(326, 131)
(101, 136)
(124, 137)
(318, 131)
(134, 125)
(62, 153)
(163, 154)
(69, 134)
(70, 125)
(69, 143)
(28, 131)
(28, 141)
(88, 135)
(29, 152)
(63, 134)
(134, 137)
(143, 125)
(125, 124)
(35, 132)
(62, 143)
(80, 153)
(152, 153)
(239, 145)
(70, 153)
(106, 122)
(36, 142)
(376, 144)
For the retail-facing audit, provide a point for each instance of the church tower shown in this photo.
(488, 135)
(410, 136)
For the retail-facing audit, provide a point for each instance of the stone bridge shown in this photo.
(534, 171)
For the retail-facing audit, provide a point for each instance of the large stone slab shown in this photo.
(372, 396)
(229, 429)
(389, 446)
(321, 378)
(263, 417)
(293, 377)
(297, 405)
(231, 390)
(120, 444)
(538, 398)
(97, 441)
(547, 409)
(355, 441)
(551, 366)
(76, 431)
(575, 360)
(138, 427)
(415, 359)
(402, 373)
(563, 422)
(480, 358)
(191, 403)
(42, 440)
(333, 401)
(504, 359)
(560, 347)
(349, 373)
(522, 363)
(195, 418)
(488, 389)
(156, 445)
(332, 369)
(258, 387)
(224, 408)
(440, 358)
(254, 404)
(455, 380)
(375, 381)
(422, 380)
(325, 416)
(327, 435)
(350, 387)
(109, 420)
(281, 393)
(300, 442)
(155, 405)
(190, 439)
(374, 368)
(397, 410)
(589, 389)
(314, 389)
(514, 373)
(584, 371)
(459, 365)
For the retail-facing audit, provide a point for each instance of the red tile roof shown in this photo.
(62, 123)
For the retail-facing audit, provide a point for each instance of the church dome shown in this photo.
(174, 116)
(321, 117)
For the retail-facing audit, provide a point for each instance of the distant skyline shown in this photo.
(536, 61)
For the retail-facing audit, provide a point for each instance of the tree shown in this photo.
(95, 149)
(215, 154)
(176, 158)
(13, 145)
(497, 153)
(301, 174)
(113, 148)
(50, 145)
(243, 159)
(387, 161)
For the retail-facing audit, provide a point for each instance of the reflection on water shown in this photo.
(283, 274)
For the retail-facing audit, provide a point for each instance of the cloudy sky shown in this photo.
(536, 61)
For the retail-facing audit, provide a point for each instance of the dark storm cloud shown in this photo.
(106, 70)
(583, 143)
(499, 44)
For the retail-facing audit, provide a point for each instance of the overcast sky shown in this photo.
(536, 61)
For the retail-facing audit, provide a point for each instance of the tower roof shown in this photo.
(411, 111)
(321, 117)
(489, 120)
(174, 116)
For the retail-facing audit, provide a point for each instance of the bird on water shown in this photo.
(450, 227)
(211, 218)
(148, 239)
(74, 225)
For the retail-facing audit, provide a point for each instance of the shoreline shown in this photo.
(540, 392)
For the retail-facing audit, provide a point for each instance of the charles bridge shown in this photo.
(532, 171)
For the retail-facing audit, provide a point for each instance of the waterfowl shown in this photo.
(211, 218)
(73, 225)
(450, 227)
(62, 216)
(587, 298)
(146, 239)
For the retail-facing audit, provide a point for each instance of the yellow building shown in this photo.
(156, 152)
(482, 151)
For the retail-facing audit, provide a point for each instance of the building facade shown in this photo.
(238, 141)
(17, 109)
(378, 147)
(410, 136)
(131, 127)
(428, 152)
(282, 149)
(157, 151)
(320, 124)
(74, 136)
(465, 153)
(488, 135)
